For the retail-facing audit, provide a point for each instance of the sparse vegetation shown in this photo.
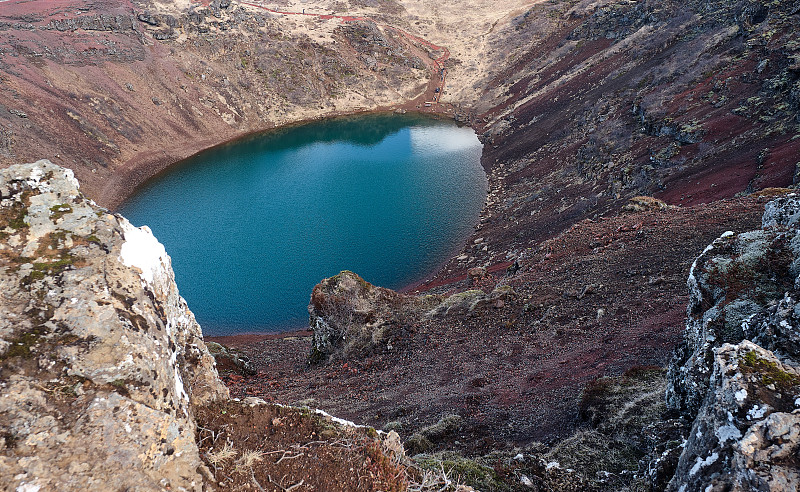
(770, 373)
(58, 211)
(22, 345)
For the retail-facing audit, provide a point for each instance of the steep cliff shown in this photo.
(738, 372)
(101, 361)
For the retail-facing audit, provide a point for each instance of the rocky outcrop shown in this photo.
(231, 360)
(747, 434)
(738, 372)
(101, 361)
(350, 316)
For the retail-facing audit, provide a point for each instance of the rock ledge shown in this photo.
(101, 361)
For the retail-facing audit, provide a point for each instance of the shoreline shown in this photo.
(240, 340)
(423, 284)
(130, 178)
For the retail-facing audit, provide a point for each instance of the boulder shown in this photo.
(738, 280)
(747, 433)
(101, 361)
(351, 317)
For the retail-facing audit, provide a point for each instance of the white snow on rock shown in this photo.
(339, 421)
(142, 250)
(703, 462)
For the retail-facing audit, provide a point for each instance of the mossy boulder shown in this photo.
(101, 360)
(351, 317)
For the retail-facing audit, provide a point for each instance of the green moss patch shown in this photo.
(58, 211)
(771, 373)
(22, 345)
(14, 216)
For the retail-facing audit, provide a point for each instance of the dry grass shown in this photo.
(219, 457)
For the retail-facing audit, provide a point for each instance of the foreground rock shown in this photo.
(101, 361)
(745, 395)
(103, 368)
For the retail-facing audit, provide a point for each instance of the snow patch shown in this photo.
(142, 250)
(28, 487)
(740, 395)
(36, 175)
(701, 463)
(727, 234)
(337, 419)
(70, 176)
(180, 389)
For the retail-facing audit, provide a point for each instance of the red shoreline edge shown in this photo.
(239, 340)
(244, 339)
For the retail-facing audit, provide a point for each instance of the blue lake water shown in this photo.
(253, 225)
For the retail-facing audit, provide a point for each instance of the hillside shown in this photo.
(621, 138)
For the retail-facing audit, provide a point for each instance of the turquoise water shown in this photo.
(252, 226)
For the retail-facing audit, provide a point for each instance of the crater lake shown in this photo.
(252, 226)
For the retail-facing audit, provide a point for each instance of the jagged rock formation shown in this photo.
(229, 359)
(351, 316)
(738, 372)
(101, 361)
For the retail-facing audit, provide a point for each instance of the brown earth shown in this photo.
(249, 446)
(596, 300)
(120, 90)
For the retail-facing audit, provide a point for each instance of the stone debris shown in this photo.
(101, 360)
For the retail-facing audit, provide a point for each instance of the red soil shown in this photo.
(596, 300)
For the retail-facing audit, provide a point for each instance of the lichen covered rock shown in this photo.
(735, 286)
(747, 434)
(738, 372)
(101, 361)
